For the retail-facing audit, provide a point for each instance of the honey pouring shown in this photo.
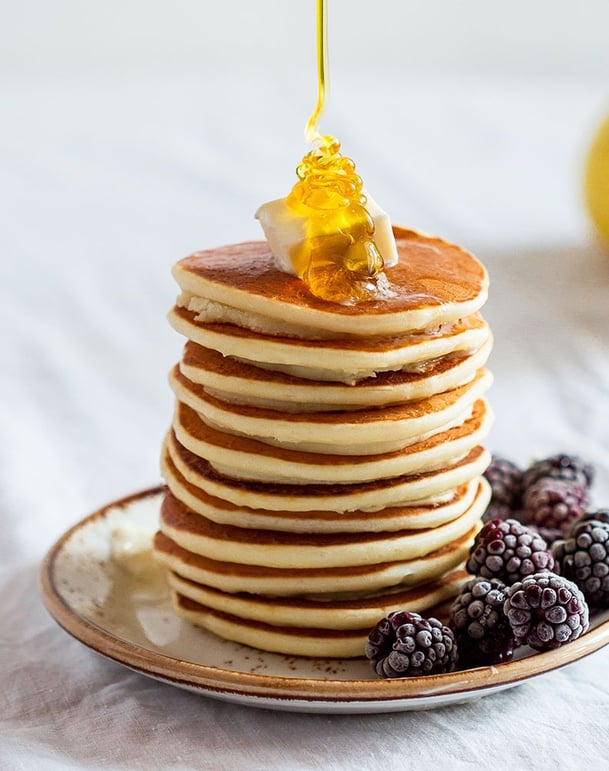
(328, 231)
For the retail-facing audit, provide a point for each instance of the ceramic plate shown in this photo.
(122, 610)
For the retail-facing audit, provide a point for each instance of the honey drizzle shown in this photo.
(338, 259)
(311, 129)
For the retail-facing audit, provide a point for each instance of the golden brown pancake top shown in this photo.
(430, 272)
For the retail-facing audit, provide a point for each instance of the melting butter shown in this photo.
(132, 549)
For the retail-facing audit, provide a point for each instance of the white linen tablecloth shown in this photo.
(104, 184)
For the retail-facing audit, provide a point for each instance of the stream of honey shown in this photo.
(338, 258)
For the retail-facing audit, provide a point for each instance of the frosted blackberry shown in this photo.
(600, 515)
(584, 559)
(407, 645)
(569, 468)
(481, 628)
(508, 550)
(546, 611)
(549, 534)
(554, 503)
(496, 511)
(505, 479)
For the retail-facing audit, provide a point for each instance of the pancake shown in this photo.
(367, 496)
(235, 577)
(342, 360)
(236, 381)
(433, 282)
(225, 513)
(272, 548)
(324, 464)
(244, 458)
(355, 432)
(331, 614)
(311, 641)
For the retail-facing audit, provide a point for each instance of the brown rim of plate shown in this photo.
(217, 680)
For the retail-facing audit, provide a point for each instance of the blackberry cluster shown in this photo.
(407, 645)
(549, 494)
(508, 550)
(481, 628)
(516, 595)
(546, 611)
(584, 558)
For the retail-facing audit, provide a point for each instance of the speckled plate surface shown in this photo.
(128, 618)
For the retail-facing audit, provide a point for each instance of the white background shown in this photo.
(132, 133)
(552, 36)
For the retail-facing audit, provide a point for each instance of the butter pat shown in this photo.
(285, 229)
(132, 549)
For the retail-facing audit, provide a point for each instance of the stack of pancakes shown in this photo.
(324, 465)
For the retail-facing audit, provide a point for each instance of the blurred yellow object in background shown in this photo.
(596, 181)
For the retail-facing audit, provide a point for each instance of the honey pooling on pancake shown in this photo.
(327, 231)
